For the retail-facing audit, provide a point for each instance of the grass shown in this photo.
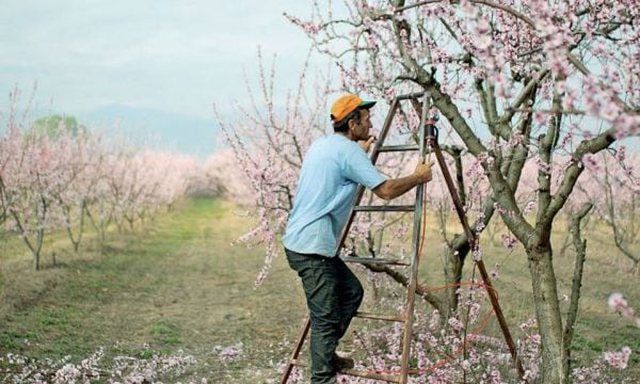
(178, 284)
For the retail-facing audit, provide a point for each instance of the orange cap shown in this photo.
(346, 104)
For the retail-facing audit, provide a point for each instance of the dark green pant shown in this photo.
(333, 295)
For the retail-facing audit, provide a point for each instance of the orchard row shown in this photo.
(63, 180)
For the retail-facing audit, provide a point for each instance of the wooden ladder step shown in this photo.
(298, 363)
(374, 316)
(371, 375)
(356, 372)
(399, 148)
(384, 208)
(374, 260)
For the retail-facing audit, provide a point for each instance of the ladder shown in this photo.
(427, 142)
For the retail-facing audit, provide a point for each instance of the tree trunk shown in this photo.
(454, 262)
(545, 295)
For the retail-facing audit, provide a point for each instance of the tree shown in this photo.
(56, 125)
(545, 81)
(611, 182)
(547, 77)
(35, 175)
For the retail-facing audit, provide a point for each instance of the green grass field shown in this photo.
(177, 284)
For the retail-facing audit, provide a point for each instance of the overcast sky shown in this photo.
(177, 56)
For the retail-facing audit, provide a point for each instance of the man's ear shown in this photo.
(352, 124)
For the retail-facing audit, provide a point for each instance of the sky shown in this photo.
(175, 56)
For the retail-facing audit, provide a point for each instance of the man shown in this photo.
(331, 171)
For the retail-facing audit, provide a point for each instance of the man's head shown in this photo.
(350, 115)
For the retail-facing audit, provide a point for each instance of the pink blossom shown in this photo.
(530, 207)
(618, 304)
(618, 360)
(508, 241)
(229, 353)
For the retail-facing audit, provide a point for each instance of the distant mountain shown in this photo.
(158, 129)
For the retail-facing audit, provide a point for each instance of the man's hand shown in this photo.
(423, 172)
(367, 144)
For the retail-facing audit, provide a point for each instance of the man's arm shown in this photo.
(393, 188)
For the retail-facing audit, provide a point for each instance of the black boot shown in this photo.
(341, 363)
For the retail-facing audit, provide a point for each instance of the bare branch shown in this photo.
(523, 96)
(612, 221)
(574, 170)
(581, 247)
(403, 280)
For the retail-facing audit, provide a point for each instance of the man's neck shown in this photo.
(345, 134)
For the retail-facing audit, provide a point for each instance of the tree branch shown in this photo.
(574, 170)
(421, 290)
(547, 145)
(581, 247)
(522, 97)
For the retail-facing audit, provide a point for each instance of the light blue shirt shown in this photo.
(331, 171)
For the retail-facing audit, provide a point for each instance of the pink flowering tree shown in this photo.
(221, 175)
(542, 82)
(31, 182)
(53, 176)
(80, 153)
(100, 206)
(104, 182)
(268, 141)
(611, 183)
(11, 139)
(133, 184)
(13, 123)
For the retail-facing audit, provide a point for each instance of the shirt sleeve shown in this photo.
(358, 168)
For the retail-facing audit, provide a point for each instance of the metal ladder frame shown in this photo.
(428, 140)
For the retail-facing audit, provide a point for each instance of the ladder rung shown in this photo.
(367, 315)
(355, 372)
(371, 375)
(374, 260)
(399, 148)
(384, 208)
(297, 363)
